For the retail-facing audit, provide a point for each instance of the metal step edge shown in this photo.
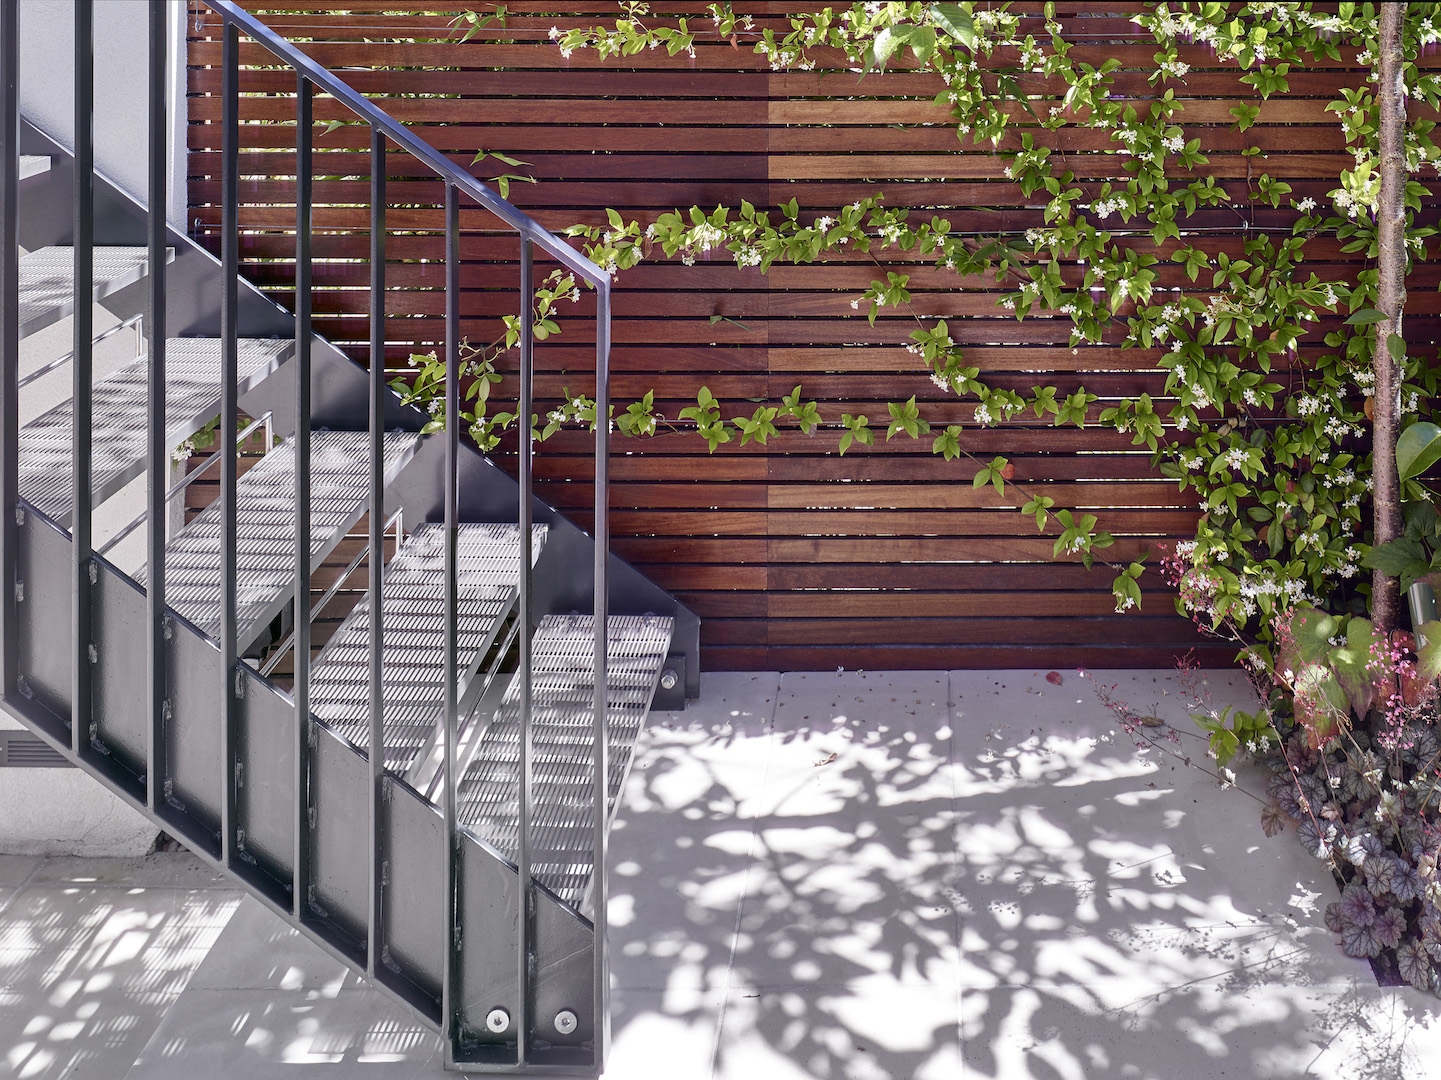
(413, 593)
(47, 275)
(562, 745)
(33, 165)
(192, 376)
(193, 554)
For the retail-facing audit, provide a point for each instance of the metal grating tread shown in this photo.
(562, 745)
(265, 527)
(47, 277)
(33, 165)
(413, 634)
(192, 395)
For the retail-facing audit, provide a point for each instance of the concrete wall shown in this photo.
(47, 73)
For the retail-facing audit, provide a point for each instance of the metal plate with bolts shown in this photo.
(670, 691)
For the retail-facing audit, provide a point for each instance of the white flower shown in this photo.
(1306, 205)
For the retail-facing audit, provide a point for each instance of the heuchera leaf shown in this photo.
(1273, 820)
(1389, 928)
(1384, 875)
(1309, 834)
(1413, 965)
(1364, 846)
(1358, 906)
(1333, 917)
(1358, 941)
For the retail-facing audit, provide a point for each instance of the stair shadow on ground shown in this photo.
(982, 881)
(93, 952)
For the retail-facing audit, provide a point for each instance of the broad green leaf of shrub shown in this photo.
(1311, 633)
(1350, 661)
(1418, 448)
(1321, 704)
(1428, 651)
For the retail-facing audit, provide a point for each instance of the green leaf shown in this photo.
(1418, 448)
(1365, 317)
(1351, 663)
(1428, 650)
(1311, 633)
(1321, 704)
(955, 22)
(1403, 558)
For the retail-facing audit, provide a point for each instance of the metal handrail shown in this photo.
(398, 133)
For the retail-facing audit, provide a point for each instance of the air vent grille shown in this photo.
(22, 750)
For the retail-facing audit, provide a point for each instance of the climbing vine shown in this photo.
(1274, 444)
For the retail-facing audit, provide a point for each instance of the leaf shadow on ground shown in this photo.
(984, 881)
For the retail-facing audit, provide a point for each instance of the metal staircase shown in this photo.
(427, 795)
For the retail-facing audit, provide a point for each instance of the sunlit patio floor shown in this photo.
(844, 875)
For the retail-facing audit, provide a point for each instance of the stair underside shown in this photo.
(562, 745)
(47, 277)
(118, 405)
(413, 636)
(265, 529)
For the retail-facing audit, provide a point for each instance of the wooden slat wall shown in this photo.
(794, 557)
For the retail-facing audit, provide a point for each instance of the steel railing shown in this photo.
(458, 185)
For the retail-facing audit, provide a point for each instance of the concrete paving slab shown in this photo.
(16, 869)
(873, 1030)
(1277, 1031)
(88, 972)
(257, 950)
(851, 742)
(158, 870)
(682, 847)
(258, 1034)
(665, 1035)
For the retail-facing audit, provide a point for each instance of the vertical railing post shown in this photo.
(376, 539)
(229, 365)
(527, 690)
(601, 719)
(450, 983)
(81, 370)
(157, 471)
(9, 341)
(304, 176)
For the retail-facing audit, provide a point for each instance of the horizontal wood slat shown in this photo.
(794, 556)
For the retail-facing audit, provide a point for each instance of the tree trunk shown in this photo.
(1391, 298)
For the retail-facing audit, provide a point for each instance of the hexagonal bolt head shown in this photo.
(565, 1021)
(498, 1021)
